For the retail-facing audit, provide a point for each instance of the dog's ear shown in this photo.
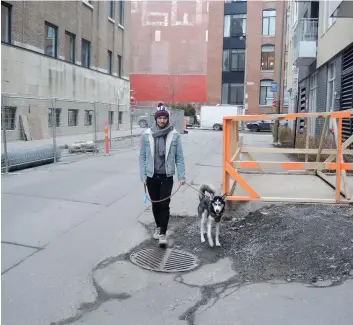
(224, 196)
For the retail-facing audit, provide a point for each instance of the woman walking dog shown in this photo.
(161, 150)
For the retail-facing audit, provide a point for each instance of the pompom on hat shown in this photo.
(161, 111)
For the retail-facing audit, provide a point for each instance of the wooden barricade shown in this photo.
(233, 149)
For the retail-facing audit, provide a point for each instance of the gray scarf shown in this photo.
(159, 136)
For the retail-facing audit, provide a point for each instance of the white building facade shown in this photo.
(320, 59)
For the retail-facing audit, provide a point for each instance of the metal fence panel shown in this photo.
(42, 130)
(177, 120)
(27, 139)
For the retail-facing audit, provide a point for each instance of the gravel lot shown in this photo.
(302, 243)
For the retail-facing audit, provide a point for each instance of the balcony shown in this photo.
(341, 9)
(305, 42)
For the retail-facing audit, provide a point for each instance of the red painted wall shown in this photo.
(168, 88)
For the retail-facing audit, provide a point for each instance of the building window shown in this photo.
(88, 117)
(51, 40)
(6, 10)
(70, 40)
(73, 117)
(313, 93)
(224, 95)
(120, 117)
(233, 60)
(234, 25)
(9, 118)
(88, 1)
(233, 94)
(331, 5)
(313, 86)
(111, 9)
(121, 12)
(157, 35)
(111, 117)
(266, 95)
(267, 57)
(269, 22)
(57, 117)
(86, 53)
(110, 62)
(331, 76)
(119, 65)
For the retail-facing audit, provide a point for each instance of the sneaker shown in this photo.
(163, 240)
(156, 234)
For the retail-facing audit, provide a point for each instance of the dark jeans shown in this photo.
(160, 187)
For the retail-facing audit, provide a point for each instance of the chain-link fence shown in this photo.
(36, 131)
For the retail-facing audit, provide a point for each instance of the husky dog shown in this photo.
(210, 209)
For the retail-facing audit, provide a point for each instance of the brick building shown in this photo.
(73, 50)
(169, 50)
(202, 51)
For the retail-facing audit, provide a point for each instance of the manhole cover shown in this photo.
(164, 260)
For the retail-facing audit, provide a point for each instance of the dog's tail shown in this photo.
(206, 188)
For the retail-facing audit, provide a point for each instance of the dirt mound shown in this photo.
(302, 243)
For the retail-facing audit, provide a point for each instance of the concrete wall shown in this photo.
(29, 74)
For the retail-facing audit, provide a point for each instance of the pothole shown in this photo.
(168, 260)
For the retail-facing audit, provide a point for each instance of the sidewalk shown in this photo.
(62, 141)
(281, 185)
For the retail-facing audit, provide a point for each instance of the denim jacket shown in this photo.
(174, 155)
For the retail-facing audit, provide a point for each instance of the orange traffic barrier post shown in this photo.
(106, 138)
(233, 166)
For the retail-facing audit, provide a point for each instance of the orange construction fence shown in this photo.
(233, 149)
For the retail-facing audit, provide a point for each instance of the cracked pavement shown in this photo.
(66, 247)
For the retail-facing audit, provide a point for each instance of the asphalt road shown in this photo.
(59, 223)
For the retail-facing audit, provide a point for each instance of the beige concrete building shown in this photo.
(320, 58)
(75, 51)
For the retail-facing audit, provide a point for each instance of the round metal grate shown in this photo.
(164, 260)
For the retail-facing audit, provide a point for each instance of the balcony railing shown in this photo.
(305, 41)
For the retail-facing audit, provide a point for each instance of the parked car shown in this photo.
(193, 121)
(257, 126)
(262, 125)
(143, 121)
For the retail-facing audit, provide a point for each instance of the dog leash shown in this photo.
(159, 201)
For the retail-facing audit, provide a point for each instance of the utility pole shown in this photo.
(279, 80)
(118, 93)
